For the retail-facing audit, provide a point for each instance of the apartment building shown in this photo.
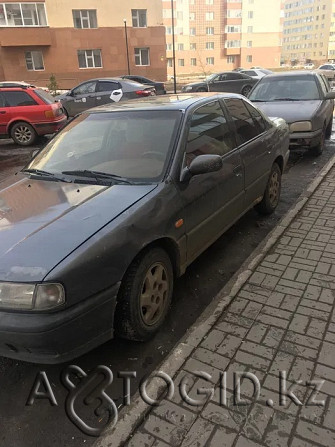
(307, 31)
(214, 35)
(80, 39)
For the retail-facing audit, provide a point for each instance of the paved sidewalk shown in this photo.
(282, 319)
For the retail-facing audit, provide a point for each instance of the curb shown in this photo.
(132, 416)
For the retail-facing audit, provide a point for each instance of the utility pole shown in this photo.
(126, 33)
(173, 51)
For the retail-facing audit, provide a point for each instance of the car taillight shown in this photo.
(143, 92)
(50, 113)
(55, 111)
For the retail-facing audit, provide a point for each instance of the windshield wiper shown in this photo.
(286, 99)
(97, 175)
(46, 174)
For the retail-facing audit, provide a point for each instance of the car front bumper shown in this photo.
(305, 139)
(50, 127)
(59, 336)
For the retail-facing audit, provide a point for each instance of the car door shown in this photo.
(108, 92)
(211, 201)
(254, 142)
(219, 84)
(81, 98)
(4, 115)
(327, 108)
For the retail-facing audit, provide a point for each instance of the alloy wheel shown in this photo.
(274, 187)
(23, 134)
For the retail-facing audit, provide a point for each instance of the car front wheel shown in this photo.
(246, 90)
(272, 192)
(23, 134)
(145, 295)
(317, 150)
(329, 129)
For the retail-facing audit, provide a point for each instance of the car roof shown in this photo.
(292, 74)
(167, 102)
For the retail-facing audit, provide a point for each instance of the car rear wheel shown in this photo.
(272, 192)
(329, 129)
(246, 90)
(145, 296)
(317, 150)
(202, 89)
(23, 134)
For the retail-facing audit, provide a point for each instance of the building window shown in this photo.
(169, 62)
(181, 62)
(231, 59)
(250, 29)
(139, 17)
(193, 61)
(34, 60)
(192, 16)
(192, 31)
(168, 46)
(232, 44)
(233, 28)
(250, 14)
(23, 14)
(193, 46)
(142, 56)
(249, 58)
(210, 60)
(249, 43)
(209, 16)
(85, 18)
(180, 47)
(209, 45)
(89, 58)
(210, 30)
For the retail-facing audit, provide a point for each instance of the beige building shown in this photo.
(331, 44)
(80, 39)
(306, 35)
(214, 35)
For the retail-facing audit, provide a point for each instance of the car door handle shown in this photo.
(238, 171)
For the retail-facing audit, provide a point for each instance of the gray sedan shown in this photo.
(97, 92)
(304, 100)
(96, 229)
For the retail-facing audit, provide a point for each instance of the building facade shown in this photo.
(80, 39)
(307, 31)
(216, 35)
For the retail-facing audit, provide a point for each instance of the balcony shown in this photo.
(25, 36)
(231, 51)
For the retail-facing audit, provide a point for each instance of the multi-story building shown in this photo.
(306, 34)
(331, 43)
(214, 35)
(80, 39)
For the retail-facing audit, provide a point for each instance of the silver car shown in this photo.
(96, 92)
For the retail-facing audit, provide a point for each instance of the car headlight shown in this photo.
(301, 126)
(187, 89)
(22, 296)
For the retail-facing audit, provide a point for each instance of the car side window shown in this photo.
(246, 128)
(250, 73)
(15, 99)
(324, 84)
(2, 101)
(209, 133)
(107, 86)
(83, 89)
(258, 119)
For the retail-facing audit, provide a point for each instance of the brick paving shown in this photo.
(283, 319)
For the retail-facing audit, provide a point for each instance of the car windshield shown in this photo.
(131, 144)
(211, 77)
(294, 88)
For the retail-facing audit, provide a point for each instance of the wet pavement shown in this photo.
(25, 426)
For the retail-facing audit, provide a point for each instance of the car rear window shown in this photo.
(15, 99)
(45, 96)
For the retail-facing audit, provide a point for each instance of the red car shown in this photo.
(28, 112)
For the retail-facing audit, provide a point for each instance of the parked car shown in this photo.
(309, 66)
(256, 73)
(102, 91)
(329, 71)
(304, 100)
(28, 112)
(117, 205)
(159, 86)
(229, 81)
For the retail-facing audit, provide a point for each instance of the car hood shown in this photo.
(42, 222)
(291, 111)
(195, 84)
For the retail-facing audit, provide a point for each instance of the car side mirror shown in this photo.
(70, 93)
(203, 164)
(330, 95)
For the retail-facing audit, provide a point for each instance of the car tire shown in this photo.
(202, 89)
(317, 150)
(246, 90)
(23, 134)
(329, 129)
(145, 295)
(272, 192)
